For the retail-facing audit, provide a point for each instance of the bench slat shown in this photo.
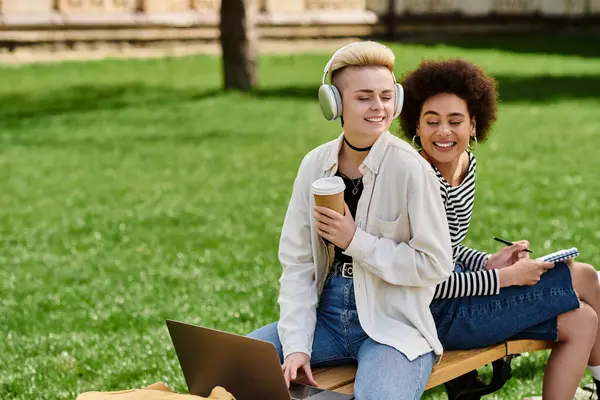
(454, 363)
(458, 362)
(523, 346)
(334, 378)
(346, 389)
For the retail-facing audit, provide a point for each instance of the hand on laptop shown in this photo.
(292, 363)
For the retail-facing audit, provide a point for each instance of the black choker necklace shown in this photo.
(356, 148)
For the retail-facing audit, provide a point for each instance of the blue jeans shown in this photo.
(383, 372)
(517, 312)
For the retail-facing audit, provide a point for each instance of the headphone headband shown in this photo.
(326, 70)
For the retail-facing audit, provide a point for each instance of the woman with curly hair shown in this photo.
(449, 107)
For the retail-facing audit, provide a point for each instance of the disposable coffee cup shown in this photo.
(329, 192)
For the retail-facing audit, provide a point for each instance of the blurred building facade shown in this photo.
(75, 23)
(468, 7)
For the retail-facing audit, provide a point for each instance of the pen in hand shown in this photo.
(506, 242)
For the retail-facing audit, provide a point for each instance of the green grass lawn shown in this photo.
(135, 191)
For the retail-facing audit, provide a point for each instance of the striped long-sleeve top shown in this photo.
(475, 280)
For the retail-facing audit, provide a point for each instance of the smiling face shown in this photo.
(445, 127)
(367, 102)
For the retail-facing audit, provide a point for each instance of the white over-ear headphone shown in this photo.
(330, 99)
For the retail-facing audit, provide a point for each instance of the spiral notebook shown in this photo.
(560, 255)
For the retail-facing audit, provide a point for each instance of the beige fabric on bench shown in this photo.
(156, 391)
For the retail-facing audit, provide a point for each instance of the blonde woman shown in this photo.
(393, 234)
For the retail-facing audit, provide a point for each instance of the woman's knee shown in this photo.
(585, 279)
(583, 271)
(269, 333)
(580, 324)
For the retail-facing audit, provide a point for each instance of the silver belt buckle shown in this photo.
(348, 270)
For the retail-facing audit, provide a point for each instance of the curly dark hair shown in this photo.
(456, 76)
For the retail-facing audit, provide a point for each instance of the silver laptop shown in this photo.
(247, 368)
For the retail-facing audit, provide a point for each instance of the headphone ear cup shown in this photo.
(330, 102)
(338, 101)
(398, 99)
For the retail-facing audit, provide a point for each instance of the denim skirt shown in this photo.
(517, 312)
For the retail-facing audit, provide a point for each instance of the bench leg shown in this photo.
(469, 387)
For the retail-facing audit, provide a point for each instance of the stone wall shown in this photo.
(34, 26)
(402, 7)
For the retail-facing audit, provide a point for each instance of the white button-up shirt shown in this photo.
(400, 251)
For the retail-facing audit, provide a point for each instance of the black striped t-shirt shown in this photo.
(458, 202)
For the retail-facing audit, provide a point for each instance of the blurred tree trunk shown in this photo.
(238, 44)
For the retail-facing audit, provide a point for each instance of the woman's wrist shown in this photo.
(486, 263)
(505, 278)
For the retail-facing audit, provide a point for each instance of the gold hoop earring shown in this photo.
(416, 145)
(474, 140)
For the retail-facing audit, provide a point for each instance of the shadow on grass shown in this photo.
(15, 108)
(90, 98)
(127, 141)
(580, 45)
(535, 89)
(548, 88)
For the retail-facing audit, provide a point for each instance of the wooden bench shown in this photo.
(457, 370)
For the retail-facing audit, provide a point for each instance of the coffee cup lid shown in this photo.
(328, 186)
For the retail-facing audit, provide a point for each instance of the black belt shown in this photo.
(342, 268)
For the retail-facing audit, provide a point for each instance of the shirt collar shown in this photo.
(334, 151)
(373, 159)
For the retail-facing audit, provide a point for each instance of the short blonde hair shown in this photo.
(362, 54)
